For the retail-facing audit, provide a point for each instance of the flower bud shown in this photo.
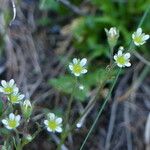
(29, 137)
(26, 139)
(26, 108)
(112, 36)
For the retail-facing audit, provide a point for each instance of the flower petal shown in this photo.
(48, 129)
(84, 71)
(139, 31)
(8, 127)
(128, 64)
(16, 90)
(75, 61)
(119, 65)
(107, 32)
(59, 120)
(21, 96)
(133, 36)
(127, 55)
(4, 83)
(115, 57)
(46, 122)
(77, 74)
(17, 118)
(11, 82)
(146, 37)
(51, 116)
(121, 48)
(11, 116)
(4, 121)
(59, 129)
(18, 123)
(83, 62)
(120, 53)
(1, 89)
(70, 66)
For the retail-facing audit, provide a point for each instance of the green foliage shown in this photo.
(53, 5)
(44, 21)
(1, 107)
(66, 83)
(90, 41)
(49, 4)
(88, 31)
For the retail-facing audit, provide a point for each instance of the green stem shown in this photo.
(101, 84)
(111, 55)
(66, 119)
(18, 143)
(108, 96)
(101, 110)
(69, 105)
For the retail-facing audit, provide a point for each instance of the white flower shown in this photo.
(53, 123)
(112, 32)
(139, 38)
(26, 108)
(12, 122)
(122, 59)
(15, 98)
(78, 66)
(112, 36)
(8, 87)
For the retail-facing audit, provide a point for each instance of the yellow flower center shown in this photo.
(138, 39)
(121, 60)
(14, 98)
(8, 90)
(12, 123)
(77, 68)
(52, 125)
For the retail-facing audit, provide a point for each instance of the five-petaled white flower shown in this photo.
(8, 87)
(139, 38)
(78, 66)
(122, 59)
(15, 98)
(53, 123)
(12, 122)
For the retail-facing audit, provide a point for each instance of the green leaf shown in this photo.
(49, 4)
(1, 107)
(4, 131)
(44, 21)
(65, 84)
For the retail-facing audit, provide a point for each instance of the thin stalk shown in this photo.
(108, 96)
(101, 85)
(18, 145)
(101, 110)
(111, 55)
(65, 133)
(69, 105)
